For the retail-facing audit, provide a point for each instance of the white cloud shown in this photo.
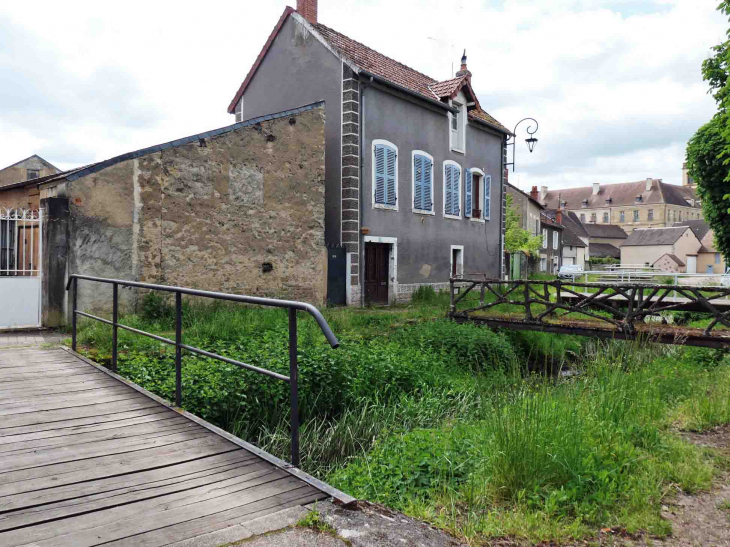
(615, 85)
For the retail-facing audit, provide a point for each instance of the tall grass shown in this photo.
(473, 430)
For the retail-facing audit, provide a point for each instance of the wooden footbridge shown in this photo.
(88, 458)
(625, 311)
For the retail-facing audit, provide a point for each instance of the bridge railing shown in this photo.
(620, 306)
(291, 306)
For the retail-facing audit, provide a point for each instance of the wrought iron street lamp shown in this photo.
(531, 140)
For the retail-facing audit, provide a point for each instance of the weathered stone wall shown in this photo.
(242, 213)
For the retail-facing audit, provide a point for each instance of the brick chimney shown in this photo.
(533, 194)
(308, 10)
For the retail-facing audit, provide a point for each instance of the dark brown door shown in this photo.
(376, 273)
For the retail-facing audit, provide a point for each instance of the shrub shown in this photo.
(424, 295)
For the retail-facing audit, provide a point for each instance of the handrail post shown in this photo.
(452, 307)
(115, 320)
(74, 302)
(178, 349)
(294, 387)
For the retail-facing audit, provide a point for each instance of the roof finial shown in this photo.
(464, 70)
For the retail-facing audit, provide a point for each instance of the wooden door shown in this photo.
(376, 273)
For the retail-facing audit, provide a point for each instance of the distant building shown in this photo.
(647, 246)
(552, 242)
(20, 182)
(575, 238)
(649, 203)
(709, 259)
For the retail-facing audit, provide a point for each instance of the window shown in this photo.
(452, 189)
(477, 185)
(593, 217)
(680, 216)
(422, 183)
(32, 174)
(622, 216)
(709, 269)
(457, 127)
(636, 216)
(385, 175)
(582, 217)
(543, 264)
(544, 238)
(717, 258)
(650, 214)
(556, 239)
(605, 218)
(537, 226)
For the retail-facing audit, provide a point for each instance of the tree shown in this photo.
(708, 152)
(517, 239)
(704, 164)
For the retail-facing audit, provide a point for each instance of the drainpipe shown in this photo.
(501, 209)
(361, 237)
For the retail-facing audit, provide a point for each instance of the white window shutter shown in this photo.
(486, 214)
(390, 176)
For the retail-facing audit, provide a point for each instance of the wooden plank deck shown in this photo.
(88, 459)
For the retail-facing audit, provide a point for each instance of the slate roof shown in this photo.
(377, 64)
(699, 227)
(611, 231)
(573, 223)
(622, 194)
(654, 236)
(570, 238)
(671, 256)
(79, 172)
(603, 250)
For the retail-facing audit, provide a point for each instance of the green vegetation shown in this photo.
(516, 238)
(314, 521)
(475, 431)
(708, 151)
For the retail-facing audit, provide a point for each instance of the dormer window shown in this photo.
(585, 203)
(609, 201)
(639, 199)
(458, 127)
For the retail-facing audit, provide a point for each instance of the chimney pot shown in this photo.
(596, 188)
(559, 216)
(308, 10)
(533, 193)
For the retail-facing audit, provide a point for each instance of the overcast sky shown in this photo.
(614, 84)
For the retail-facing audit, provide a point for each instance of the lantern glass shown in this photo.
(531, 142)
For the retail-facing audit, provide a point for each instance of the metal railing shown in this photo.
(290, 305)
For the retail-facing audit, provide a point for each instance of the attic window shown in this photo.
(33, 174)
(585, 203)
(458, 127)
(609, 201)
(639, 199)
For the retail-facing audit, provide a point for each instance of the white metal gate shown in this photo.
(21, 252)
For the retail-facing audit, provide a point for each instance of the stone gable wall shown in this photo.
(240, 213)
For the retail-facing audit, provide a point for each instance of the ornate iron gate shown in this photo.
(21, 252)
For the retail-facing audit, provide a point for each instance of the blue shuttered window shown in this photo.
(422, 182)
(452, 178)
(385, 175)
(468, 193)
(487, 197)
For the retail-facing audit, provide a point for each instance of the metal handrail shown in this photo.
(291, 305)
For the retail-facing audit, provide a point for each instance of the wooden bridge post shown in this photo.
(528, 311)
(481, 296)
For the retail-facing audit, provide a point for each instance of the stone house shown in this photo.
(19, 182)
(646, 246)
(552, 243)
(239, 209)
(650, 203)
(414, 183)
(605, 233)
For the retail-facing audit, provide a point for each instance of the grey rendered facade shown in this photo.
(300, 65)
